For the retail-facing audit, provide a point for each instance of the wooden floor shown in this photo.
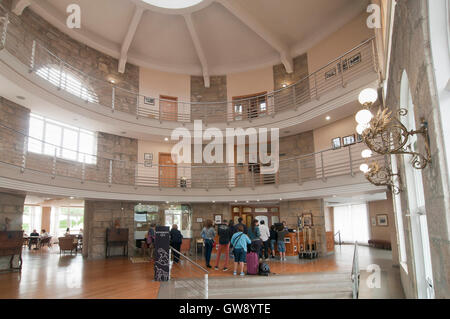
(46, 274)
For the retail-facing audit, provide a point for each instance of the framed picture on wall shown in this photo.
(336, 143)
(359, 138)
(348, 140)
(307, 219)
(149, 100)
(217, 219)
(382, 220)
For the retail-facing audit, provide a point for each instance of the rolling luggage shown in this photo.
(252, 263)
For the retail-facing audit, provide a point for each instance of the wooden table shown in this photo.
(11, 245)
(117, 237)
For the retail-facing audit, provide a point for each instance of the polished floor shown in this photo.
(46, 274)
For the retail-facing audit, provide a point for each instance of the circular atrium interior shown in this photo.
(313, 128)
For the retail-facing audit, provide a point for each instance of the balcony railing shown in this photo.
(40, 60)
(14, 146)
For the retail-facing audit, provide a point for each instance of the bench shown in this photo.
(377, 243)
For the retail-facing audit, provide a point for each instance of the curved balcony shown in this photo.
(91, 92)
(325, 172)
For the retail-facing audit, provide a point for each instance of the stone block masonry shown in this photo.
(217, 92)
(100, 215)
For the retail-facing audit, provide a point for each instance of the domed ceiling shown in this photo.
(202, 37)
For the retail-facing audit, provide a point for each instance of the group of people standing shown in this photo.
(240, 238)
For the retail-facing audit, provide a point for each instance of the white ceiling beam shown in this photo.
(132, 27)
(267, 35)
(19, 5)
(198, 47)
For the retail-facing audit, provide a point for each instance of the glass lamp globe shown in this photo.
(363, 116)
(360, 128)
(366, 153)
(368, 96)
(364, 168)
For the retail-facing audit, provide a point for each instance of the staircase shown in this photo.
(302, 286)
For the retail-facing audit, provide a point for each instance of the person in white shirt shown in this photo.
(265, 235)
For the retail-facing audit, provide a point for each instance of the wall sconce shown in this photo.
(381, 176)
(385, 134)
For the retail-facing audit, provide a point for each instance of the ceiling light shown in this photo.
(112, 81)
(71, 197)
(246, 201)
(214, 201)
(284, 85)
(166, 139)
(366, 153)
(368, 96)
(328, 118)
(235, 200)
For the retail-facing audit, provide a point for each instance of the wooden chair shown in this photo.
(67, 243)
(45, 241)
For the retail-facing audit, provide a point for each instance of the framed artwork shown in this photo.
(148, 156)
(336, 143)
(217, 219)
(307, 220)
(382, 220)
(374, 221)
(359, 138)
(348, 140)
(199, 220)
(149, 100)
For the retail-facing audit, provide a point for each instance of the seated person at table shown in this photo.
(34, 237)
(44, 234)
(67, 232)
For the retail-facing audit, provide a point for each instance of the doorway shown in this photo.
(168, 106)
(167, 170)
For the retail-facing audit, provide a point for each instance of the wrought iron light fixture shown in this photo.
(385, 134)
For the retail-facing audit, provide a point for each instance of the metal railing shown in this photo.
(339, 242)
(32, 50)
(355, 272)
(197, 286)
(17, 150)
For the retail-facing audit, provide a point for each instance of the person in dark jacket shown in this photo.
(273, 240)
(243, 226)
(224, 244)
(176, 238)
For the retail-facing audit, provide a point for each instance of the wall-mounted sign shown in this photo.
(148, 159)
(199, 220)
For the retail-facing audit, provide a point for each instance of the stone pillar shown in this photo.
(11, 208)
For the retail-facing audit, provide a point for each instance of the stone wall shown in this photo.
(281, 77)
(11, 207)
(295, 146)
(217, 92)
(124, 152)
(207, 211)
(411, 52)
(291, 210)
(30, 26)
(100, 215)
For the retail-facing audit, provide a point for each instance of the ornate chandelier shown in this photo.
(385, 134)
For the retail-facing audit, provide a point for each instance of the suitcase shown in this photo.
(252, 263)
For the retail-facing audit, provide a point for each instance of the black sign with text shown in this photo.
(162, 253)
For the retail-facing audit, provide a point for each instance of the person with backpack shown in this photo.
(176, 239)
(224, 244)
(208, 234)
(255, 236)
(240, 242)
